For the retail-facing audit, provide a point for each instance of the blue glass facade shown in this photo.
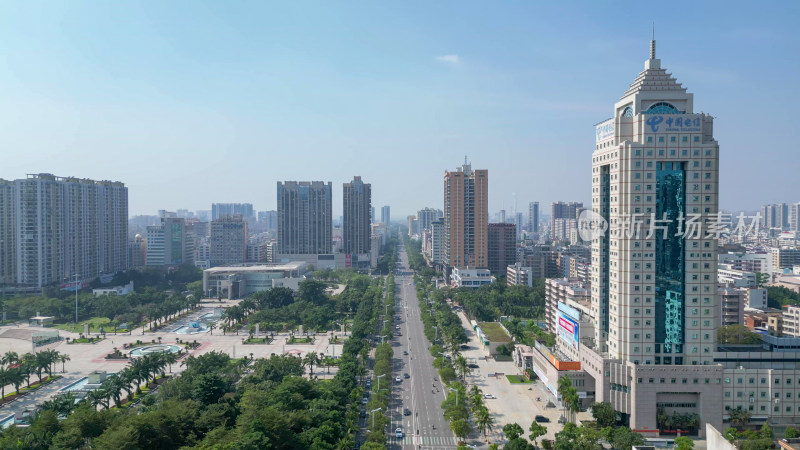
(670, 260)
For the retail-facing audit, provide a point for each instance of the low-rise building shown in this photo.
(729, 277)
(516, 275)
(471, 278)
(115, 290)
(241, 281)
(564, 290)
(731, 302)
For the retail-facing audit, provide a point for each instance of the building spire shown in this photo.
(653, 43)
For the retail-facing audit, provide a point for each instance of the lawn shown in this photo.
(304, 340)
(264, 340)
(494, 332)
(516, 379)
(94, 325)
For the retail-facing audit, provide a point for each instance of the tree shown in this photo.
(766, 432)
(484, 421)
(63, 358)
(740, 417)
(310, 360)
(460, 427)
(512, 431)
(569, 395)
(604, 414)
(731, 434)
(737, 334)
(462, 367)
(683, 443)
(792, 432)
(623, 438)
(537, 430)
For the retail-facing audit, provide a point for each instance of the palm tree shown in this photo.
(484, 421)
(16, 376)
(311, 359)
(63, 358)
(171, 358)
(4, 379)
(9, 358)
(28, 366)
(462, 367)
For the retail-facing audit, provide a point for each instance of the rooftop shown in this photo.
(290, 266)
(494, 332)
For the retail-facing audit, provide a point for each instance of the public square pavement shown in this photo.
(86, 358)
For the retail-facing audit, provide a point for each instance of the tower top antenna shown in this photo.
(653, 43)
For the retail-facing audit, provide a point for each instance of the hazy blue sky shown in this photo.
(191, 103)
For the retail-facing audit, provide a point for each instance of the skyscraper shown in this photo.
(8, 250)
(357, 202)
(385, 214)
(170, 243)
(228, 240)
(466, 217)
(68, 226)
(533, 217)
(564, 210)
(304, 217)
(502, 247)
(654, 298)
(426, 217)
(231, 209)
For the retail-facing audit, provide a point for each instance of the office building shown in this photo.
(386, 214)
(654, 296)
(426, 216)
(785, 259)
(245, 210)
(412, 225)
(268, 220)
(518, 221)
(228, 241)
(729, 277)
(304, 218)
(239, 282)
(533, 217)
(760, 261)
(170, 243)
(471, 277)
(564, 210)
(357, 226)
(502, 250)
(466, 217)
(62, 227)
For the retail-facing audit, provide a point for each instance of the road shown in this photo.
(422, 392)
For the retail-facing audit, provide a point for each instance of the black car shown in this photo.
(406, 412)
(541, 419)
(405, 375)
(405, 353)
(472, 366)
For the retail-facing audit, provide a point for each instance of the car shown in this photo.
(472, 366)
(365, 400)
(542, 419)
(398, 379)
(397, 327)
(488, 396)
(405, 375)
(398, 433)
(362, 413)
(406, 412)
(405, 353)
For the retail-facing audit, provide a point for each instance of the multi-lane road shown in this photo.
(422, 392)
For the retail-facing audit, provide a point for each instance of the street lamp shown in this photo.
(456, 391)
(379, 380)
(437, 334)
(373, 416)
(76, 297)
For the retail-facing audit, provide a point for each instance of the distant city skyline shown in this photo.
(190, 104)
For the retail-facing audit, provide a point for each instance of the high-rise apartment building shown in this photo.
(386, 214)
(8, 238)
(466, 217)
(426, 217)
(305, 217)
(564, 210)
(228, 241)
(775, 216)
(357, 225)
(437, 242)
(231, 209)
(502, 247)
(654, 290)
(533, 217)
(62, 227)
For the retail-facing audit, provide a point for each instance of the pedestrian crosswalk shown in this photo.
(425, 441)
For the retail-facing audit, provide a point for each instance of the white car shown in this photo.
(398, 433)
(488, 396)
(398, 379)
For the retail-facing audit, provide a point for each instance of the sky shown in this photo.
(192, 102)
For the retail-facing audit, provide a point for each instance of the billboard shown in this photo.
(604, 130)
(568, 329)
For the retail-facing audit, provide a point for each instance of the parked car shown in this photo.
(365, 400)
(405, 353)
(406, 412)
(405, 375)
(542, 419)
(472, 366)
(398, 379)
(488, 396)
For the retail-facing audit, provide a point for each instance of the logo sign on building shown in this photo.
(568, 330)
(604, 130)
(675, 123)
